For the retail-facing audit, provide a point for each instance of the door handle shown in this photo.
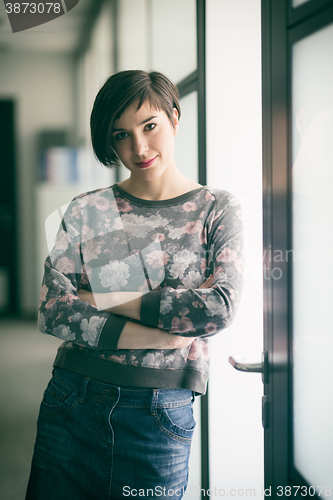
(240, 363)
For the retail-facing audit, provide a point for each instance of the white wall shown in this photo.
(173, 37)
(92, 70)
(158, 35)
(233, 53)
(132, 35)
(42, 87)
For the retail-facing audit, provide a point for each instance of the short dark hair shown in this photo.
(117, 94)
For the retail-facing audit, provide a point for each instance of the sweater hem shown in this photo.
(114, 373)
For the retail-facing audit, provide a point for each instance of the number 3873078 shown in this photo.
(33, 8)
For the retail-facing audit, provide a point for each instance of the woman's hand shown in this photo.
(86, 296)
(180, 342)
(208, 283)
(124, 303)
(137, 336)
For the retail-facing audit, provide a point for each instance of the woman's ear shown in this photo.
(175, 120)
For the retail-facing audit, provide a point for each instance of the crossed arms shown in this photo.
(135, 335)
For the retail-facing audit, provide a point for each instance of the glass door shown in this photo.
(312, 272)
(298, 212)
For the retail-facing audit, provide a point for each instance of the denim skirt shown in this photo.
(98, 441)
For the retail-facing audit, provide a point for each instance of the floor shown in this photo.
(26, 357)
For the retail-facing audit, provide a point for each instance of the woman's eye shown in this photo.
(150, 126)
(120, 136)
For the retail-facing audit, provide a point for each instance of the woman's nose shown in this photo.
(140, 146)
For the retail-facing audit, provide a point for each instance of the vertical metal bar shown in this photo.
(267, 214)
(276, 305)
(202, 176)
(149, 33)
(204, 445)
(201, 65)
(115, 18)
(115, 21)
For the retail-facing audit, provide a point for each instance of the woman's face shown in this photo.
(144, 140)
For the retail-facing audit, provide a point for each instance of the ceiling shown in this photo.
(60, 36)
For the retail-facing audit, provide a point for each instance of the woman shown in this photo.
(140, 275)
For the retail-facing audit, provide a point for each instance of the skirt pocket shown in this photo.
(58, 399)
(177, 421)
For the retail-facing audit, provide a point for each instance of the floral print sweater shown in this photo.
(111, 241)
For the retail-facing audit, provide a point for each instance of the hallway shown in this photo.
(26, 358)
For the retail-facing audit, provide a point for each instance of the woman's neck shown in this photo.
(159, 189)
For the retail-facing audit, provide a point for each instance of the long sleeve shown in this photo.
(201, 312)
(61, 312)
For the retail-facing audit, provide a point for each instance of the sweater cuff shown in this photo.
(150, 308)
(111, 332)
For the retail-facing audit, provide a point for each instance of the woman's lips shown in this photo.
(146, 163)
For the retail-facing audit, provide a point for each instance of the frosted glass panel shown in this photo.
(234, 153)
(186, 153)
(312, 173)
(296, 3)
(173, 42)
